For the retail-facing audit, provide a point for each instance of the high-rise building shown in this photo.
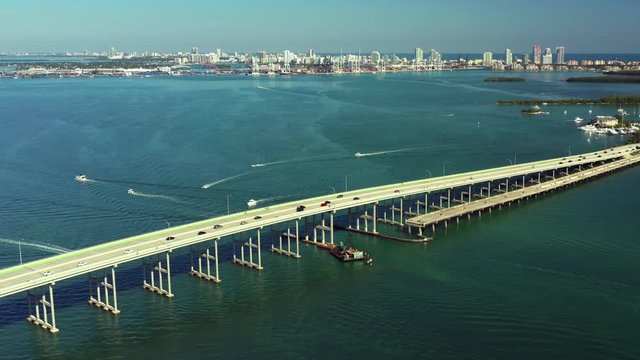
(219, 53)
(547, 58)
(375, 57)
(195, 50)
(525, 59)
(560, 55)
(287, 57)
(537, 54)
(435, 56)
(508, 57)
(487, 58)
(311, 53)
(419, 56)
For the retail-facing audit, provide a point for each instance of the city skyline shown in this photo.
(461, 27)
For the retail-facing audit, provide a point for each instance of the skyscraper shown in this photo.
(508, 57)
(419, 56)
(547, 58)
(375, 57)
(487, 58)
(560, 55)
(537, 54)
(525, 59)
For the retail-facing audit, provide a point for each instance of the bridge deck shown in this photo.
(55, 268)
(514, 195)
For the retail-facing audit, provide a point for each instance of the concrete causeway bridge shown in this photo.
(416, 206)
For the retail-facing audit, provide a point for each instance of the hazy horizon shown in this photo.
(399, 27)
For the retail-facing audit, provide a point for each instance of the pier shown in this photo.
(414, 207)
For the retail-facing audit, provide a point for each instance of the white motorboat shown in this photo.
(131, 192)
(358, 154)
(578, 119)
(81, 178)
(252, 203)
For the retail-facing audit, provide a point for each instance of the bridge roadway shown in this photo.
(52, 269)
(468, 208)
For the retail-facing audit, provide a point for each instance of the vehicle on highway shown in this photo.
(326, 203)
(258, 217)
(170, 237)
(396, 191)
(201, 232)
(128, 251)
(81, 263)
(243, 222)
(300, 208)
(339, 196)
(356, 198)
(217, 226)
(47, 273)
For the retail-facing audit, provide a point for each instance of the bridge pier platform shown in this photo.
(288, 235)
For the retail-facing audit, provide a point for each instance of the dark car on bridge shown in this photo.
(170, 238)
(300, 208)
(201, 232)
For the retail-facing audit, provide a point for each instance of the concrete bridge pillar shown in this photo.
(157, 268)
(101, 300)
(249, 246)
(199, 272)
(375, 218)
(46, 320)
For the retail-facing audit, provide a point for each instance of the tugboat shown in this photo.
(345, 254)
(81, 178)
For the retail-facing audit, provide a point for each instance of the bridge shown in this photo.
(416, 207)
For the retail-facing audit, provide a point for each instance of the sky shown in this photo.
(460, 26)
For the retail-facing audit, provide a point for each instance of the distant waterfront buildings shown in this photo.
(508, 57)
(487, 58)
(547, 58)
(560, 55)
(419, 56)
(537, 54)
(375, 57)
(525, 59)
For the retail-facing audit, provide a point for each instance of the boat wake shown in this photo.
(152, 196)
(45, 247)
(214, 183)
(270, 163)
(376, 153)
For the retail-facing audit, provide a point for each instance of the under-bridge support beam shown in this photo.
(246, 251)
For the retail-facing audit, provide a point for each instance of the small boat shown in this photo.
(81, 178)
(131, 192)
(252, 203)
(578, 119)
(358, 154)
(534, 110)
(345, 253)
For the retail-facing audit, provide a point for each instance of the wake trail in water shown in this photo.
(271, 163)
(208, 185)
(376, 153)
(45, 247)
(152, 196)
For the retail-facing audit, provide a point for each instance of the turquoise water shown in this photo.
(552, 278)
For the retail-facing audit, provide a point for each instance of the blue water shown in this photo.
(552, 278)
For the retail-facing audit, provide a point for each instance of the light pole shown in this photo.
(20, 251)
(515, 158)
(510, 162)
(228, 196)
(332, 188)
(168, 225)
(427, 170)
(444, 167)
(345, 182)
